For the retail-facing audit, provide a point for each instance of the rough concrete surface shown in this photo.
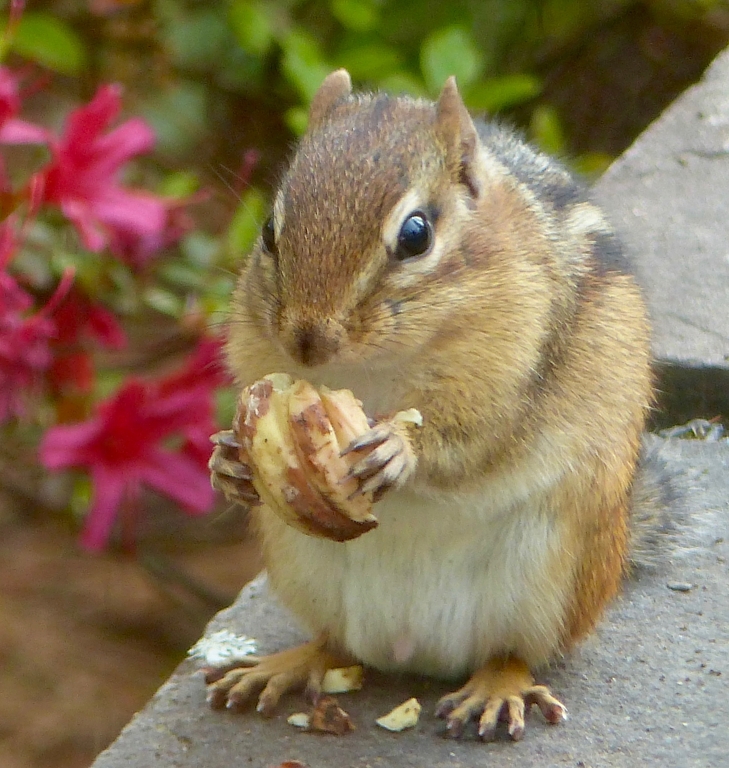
(668, 195)
(650, 687)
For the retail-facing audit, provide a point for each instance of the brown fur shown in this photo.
(523, 342)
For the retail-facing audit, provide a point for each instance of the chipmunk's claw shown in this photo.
(388, 458)
(225, 437)
(499, 692)
(272, 676)
(379, 433)
(553, 710)
(228, 473)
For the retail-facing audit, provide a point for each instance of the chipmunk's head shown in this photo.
(367, 223)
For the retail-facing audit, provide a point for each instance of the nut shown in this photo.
(292, 437)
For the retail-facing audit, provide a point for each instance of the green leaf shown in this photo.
(226, 402)
(546, 129)
(126, 288)
(182, 275)
(165, 302)
(303, 63)
(217, 296)
(178, 115)
(45, 39)
(81, 493)
(371, 62)
(197, 39)
(241, 71)
(251, 26)
(403, 83)
(450, 51)
(108, 381)
(179, 184)
(592, 164)
(200, 249)
(246, 223)
(357, 15)
(565, 19)
(499, 93)
(297, 119)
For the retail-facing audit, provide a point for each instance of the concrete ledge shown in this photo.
(668, 195)
(648, 689)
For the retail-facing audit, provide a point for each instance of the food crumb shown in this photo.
(402, 717)
(343, 679)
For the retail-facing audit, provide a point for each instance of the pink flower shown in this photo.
(77, 319)
(25, 353)
(82, 179)
(204, 370)
(71, 374)
(203, 374)
(8, 237)
(13, 130)
(77, 316)
(137, 251)
(123, 447)
(24, 350)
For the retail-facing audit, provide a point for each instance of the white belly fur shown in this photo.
(438, 588)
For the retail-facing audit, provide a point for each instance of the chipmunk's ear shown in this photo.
(455, 129)
(336, 86)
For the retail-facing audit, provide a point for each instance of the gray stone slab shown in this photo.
(668, 195)
(649, 688)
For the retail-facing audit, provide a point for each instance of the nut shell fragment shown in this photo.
(326, 717)
(329, 717)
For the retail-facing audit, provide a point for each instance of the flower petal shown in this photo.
(15, 131)
(137, 212)
(203, 368)
(180, 478)
(134, 137)
(87, 122)
(108, 493)
(79, 213)
(106, 328)
(68, 445)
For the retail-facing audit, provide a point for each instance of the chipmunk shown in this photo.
(426, 260)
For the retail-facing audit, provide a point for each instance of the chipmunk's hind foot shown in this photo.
(274, 675)
(501, 691)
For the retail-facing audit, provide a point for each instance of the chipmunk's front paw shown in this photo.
(388, 458)
(228, 473)
(501, 691)
(274, 675)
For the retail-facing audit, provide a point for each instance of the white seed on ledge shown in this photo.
(299, 720)
(343, 679)
(222, 647)
(402, 717)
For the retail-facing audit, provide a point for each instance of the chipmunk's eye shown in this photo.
(269, 236)
(415, 238)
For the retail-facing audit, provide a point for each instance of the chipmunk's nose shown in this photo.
(315, 342)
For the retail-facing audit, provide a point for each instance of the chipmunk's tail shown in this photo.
(659, 517)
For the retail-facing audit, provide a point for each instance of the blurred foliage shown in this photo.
(46, 40)
(215, 80)
(226, 87)
(192, 63)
